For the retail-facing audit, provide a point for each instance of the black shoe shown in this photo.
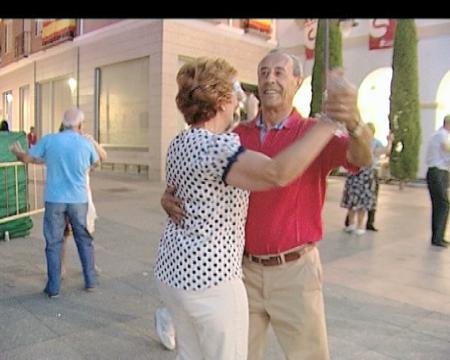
(442, 243)
(371, 228)
(50, 296)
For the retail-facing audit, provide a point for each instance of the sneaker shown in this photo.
(50, 296)
(350, 228)
(164, 328)
(360, 232)
(90, 289)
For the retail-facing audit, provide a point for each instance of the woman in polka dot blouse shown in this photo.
(198, 268)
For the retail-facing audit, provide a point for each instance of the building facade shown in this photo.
(121, 73)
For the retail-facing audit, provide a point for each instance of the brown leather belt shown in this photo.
(282, 258)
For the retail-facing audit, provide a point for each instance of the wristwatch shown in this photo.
(357, 131)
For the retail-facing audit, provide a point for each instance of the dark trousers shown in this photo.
(371, 212)
(437, 181)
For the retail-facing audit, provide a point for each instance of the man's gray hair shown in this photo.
(72, 117)
(296, 62)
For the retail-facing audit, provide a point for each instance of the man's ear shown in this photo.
(299, 82)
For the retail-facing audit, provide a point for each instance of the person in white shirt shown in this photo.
(438, 162)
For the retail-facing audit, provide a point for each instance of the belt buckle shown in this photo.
(269, 261)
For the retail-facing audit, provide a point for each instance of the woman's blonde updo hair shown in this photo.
(203, 85)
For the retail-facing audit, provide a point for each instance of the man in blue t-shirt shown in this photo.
(67, 155)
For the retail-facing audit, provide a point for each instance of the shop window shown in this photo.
(122, 94)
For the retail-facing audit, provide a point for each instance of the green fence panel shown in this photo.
(9, 199)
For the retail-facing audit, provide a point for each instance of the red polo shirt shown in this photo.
(287, 217)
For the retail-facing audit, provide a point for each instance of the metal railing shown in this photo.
(36, 206)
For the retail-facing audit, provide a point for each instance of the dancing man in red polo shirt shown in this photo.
(282, 268)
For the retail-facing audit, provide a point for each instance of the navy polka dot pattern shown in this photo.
(206, 248)
(359, 190)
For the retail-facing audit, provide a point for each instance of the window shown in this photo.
(8, 107)
(24, 108)
(38, 23)
(123, 104)
(54, 97)
(8, 36)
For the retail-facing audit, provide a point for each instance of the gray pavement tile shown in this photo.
(118, 295)
(371, 355)
(56, 349)
(386, 293)
(415, 346)
(68, 314)
(337, 244)
(19, 327)
(345, 349)
(342, 302)
(118, 342)
(435, 324)
(365, 332)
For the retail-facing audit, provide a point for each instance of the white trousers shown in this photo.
(210, 324)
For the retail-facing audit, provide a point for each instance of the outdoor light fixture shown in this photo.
(72, 84)
(9, 98)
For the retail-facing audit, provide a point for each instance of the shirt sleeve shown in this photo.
(220, 152)
(335, 154)
(94, 155)
(38, 151)
(444, 141)
(377, 144)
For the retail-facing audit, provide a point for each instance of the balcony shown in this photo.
(22, 44)
(57, 31)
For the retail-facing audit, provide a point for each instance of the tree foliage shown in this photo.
(335, 60)
(404, 116)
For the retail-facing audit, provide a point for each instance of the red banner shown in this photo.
(309, 33)
(381, 33)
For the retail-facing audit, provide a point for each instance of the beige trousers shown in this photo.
(289, 297)
(210, 324)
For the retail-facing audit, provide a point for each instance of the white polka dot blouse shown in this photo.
(206, 248)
